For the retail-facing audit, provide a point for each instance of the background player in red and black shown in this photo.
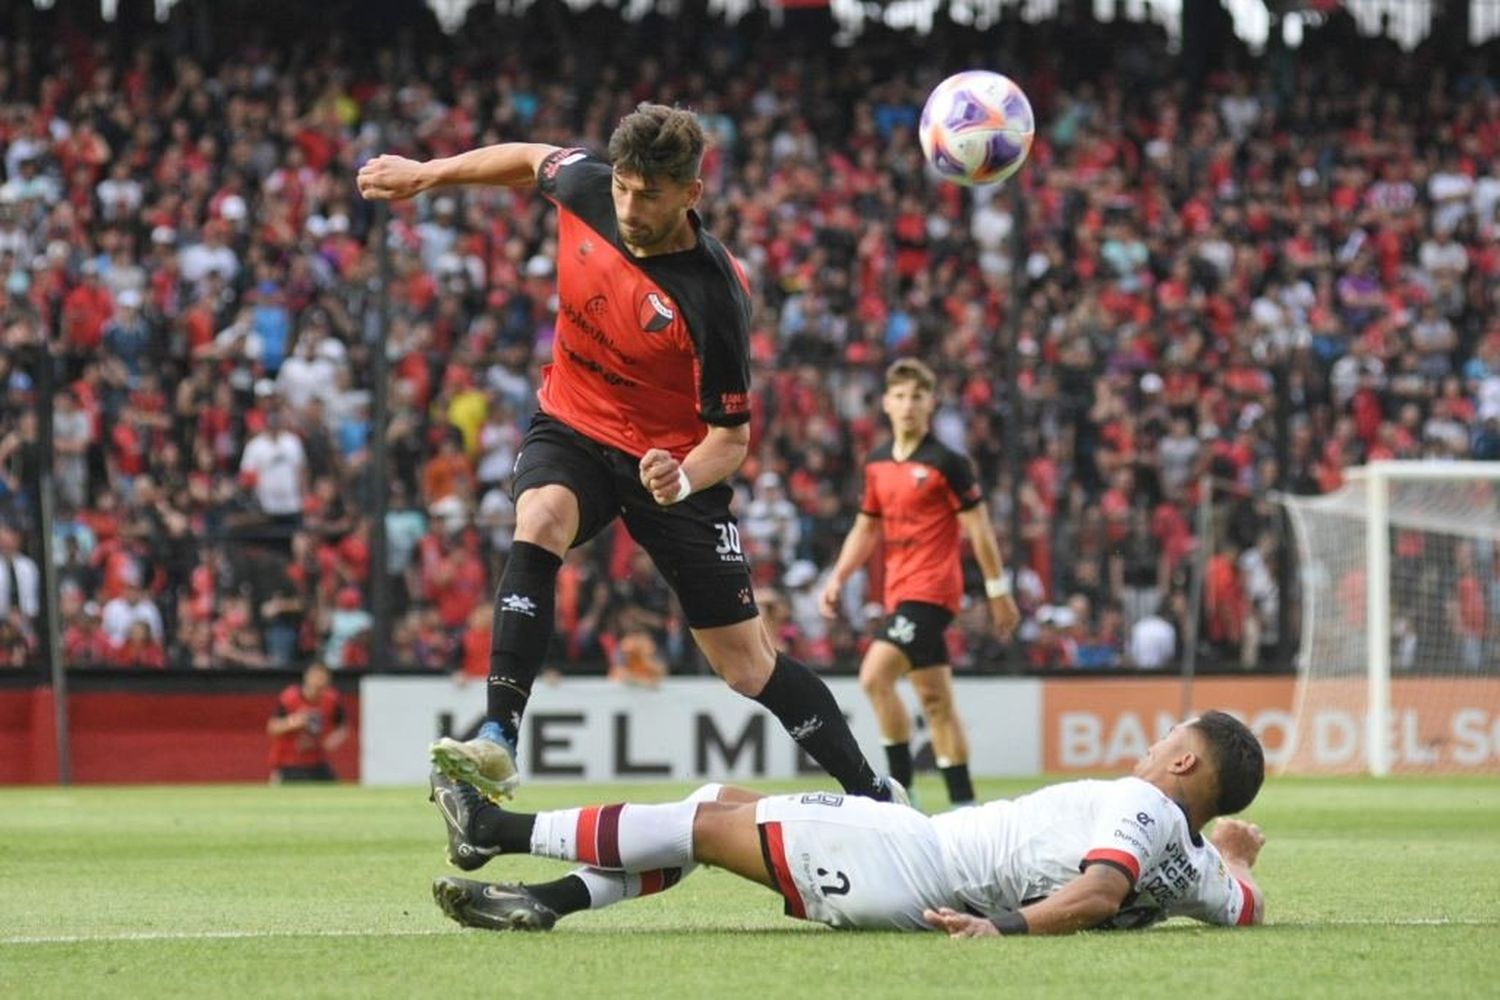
(918, 494)
(644, 414)
(307, 725)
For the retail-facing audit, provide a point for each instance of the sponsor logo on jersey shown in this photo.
(656, 312)
(560, 159)
(734, 402)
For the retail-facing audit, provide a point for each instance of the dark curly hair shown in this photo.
(1237, 757)
(657, 141)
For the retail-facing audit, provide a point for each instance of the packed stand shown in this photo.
(190, 243)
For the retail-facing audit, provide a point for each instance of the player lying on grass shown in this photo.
(1072, 856)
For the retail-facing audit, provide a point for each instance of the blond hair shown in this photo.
(910, 370)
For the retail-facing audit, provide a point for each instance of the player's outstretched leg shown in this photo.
(495, 906)
(522, 629)
(624, 833)
(620, 837)
(590, 888)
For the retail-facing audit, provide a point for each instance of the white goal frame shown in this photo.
(1376, 478)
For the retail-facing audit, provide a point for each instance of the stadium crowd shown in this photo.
(184, 232)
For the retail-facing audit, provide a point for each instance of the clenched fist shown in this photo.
(663, 478)
(391, 178)
(1237, 840)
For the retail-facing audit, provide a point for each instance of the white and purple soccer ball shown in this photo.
(976, 128)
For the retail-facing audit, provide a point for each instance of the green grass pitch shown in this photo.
(1375, 889)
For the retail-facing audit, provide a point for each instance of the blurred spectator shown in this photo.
(20, 581)
(192, 245)
(140, 649)
(348, 624)
(1152, 644)
(275, 460)
(131, 607)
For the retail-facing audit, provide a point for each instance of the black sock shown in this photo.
(495, 827)
(806, 709)
(562, 896)
(960, 787)
(522, 629)
(898, 762)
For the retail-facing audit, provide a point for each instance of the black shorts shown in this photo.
(916, 628)
(695, 544)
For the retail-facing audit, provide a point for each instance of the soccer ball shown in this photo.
(976, 128)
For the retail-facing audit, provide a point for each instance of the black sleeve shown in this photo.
(959, 471)
(579, 181)
(338, 714)
(721, 334)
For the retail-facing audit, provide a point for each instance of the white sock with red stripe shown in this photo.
(618, 837)
(606, 888)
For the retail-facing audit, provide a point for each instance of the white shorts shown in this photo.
(853, 862)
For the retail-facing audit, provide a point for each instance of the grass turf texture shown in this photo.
(1388, 888)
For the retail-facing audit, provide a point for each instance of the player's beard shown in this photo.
(643, 237)
(646, 239)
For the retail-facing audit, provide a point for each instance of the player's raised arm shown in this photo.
(506, 164)
(1239, 844)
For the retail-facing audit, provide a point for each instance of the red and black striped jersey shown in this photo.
(648, 350)
(918, 500)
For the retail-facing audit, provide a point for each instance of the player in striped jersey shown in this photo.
(1125, 853)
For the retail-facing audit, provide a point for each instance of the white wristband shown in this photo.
(684, 486)
(998, 587)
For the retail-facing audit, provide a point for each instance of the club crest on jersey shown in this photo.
(656, 312)
(919, 473)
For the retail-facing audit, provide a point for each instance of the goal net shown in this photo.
(1399, 662)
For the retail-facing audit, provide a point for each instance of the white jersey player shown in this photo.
(1084, 854)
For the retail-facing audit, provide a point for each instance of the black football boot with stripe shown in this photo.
(496, 906)
(457, 802)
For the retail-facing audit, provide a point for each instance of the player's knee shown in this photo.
(743, 657)
(548, 522)
(706, 793)
(745, 680)
(938, 708)
(936, 699)
(709, 823)
(875, 683)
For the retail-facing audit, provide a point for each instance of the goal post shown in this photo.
(1398, 667)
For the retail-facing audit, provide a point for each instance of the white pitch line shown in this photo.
(429, 932)
(210, 936)
(1377, 922)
